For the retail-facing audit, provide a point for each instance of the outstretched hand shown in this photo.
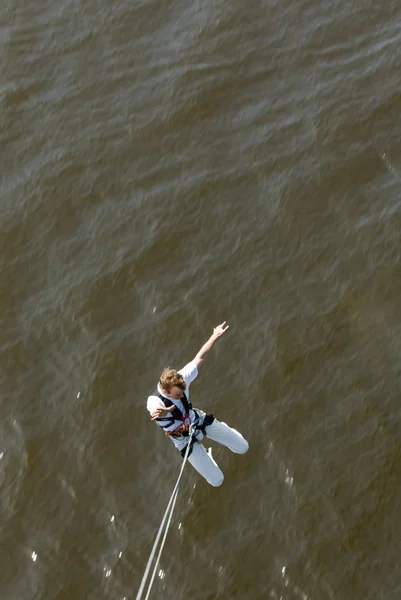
(217, 332)
(220, 329)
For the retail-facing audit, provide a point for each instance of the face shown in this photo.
(175, 392)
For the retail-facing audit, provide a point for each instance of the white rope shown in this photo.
(169, 514)
(161, 546)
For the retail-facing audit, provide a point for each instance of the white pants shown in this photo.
(203, 462)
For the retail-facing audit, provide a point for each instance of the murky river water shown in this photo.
(164, 167)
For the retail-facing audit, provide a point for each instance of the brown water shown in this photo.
(166, 166)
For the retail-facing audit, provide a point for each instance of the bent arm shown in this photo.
(157, 409)
(217, 332)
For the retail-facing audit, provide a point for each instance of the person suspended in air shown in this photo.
(170, 407)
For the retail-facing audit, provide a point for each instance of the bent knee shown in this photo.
(217, 481)
(243, 448)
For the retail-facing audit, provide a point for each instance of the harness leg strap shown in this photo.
(208, 420)
(182, 452)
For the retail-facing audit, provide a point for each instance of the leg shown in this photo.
(222, 433)
(205, 465)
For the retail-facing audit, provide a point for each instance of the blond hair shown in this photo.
(170, 378)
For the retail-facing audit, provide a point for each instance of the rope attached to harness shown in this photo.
(167, 517)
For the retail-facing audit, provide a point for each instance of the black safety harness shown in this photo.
(178, 415)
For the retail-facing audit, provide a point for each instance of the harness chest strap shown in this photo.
(177, 415)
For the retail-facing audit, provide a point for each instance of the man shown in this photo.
(170, 407)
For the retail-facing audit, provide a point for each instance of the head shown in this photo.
(172, 383)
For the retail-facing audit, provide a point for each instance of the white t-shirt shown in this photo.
(189, 373)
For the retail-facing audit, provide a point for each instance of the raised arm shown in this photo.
(217, 332)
